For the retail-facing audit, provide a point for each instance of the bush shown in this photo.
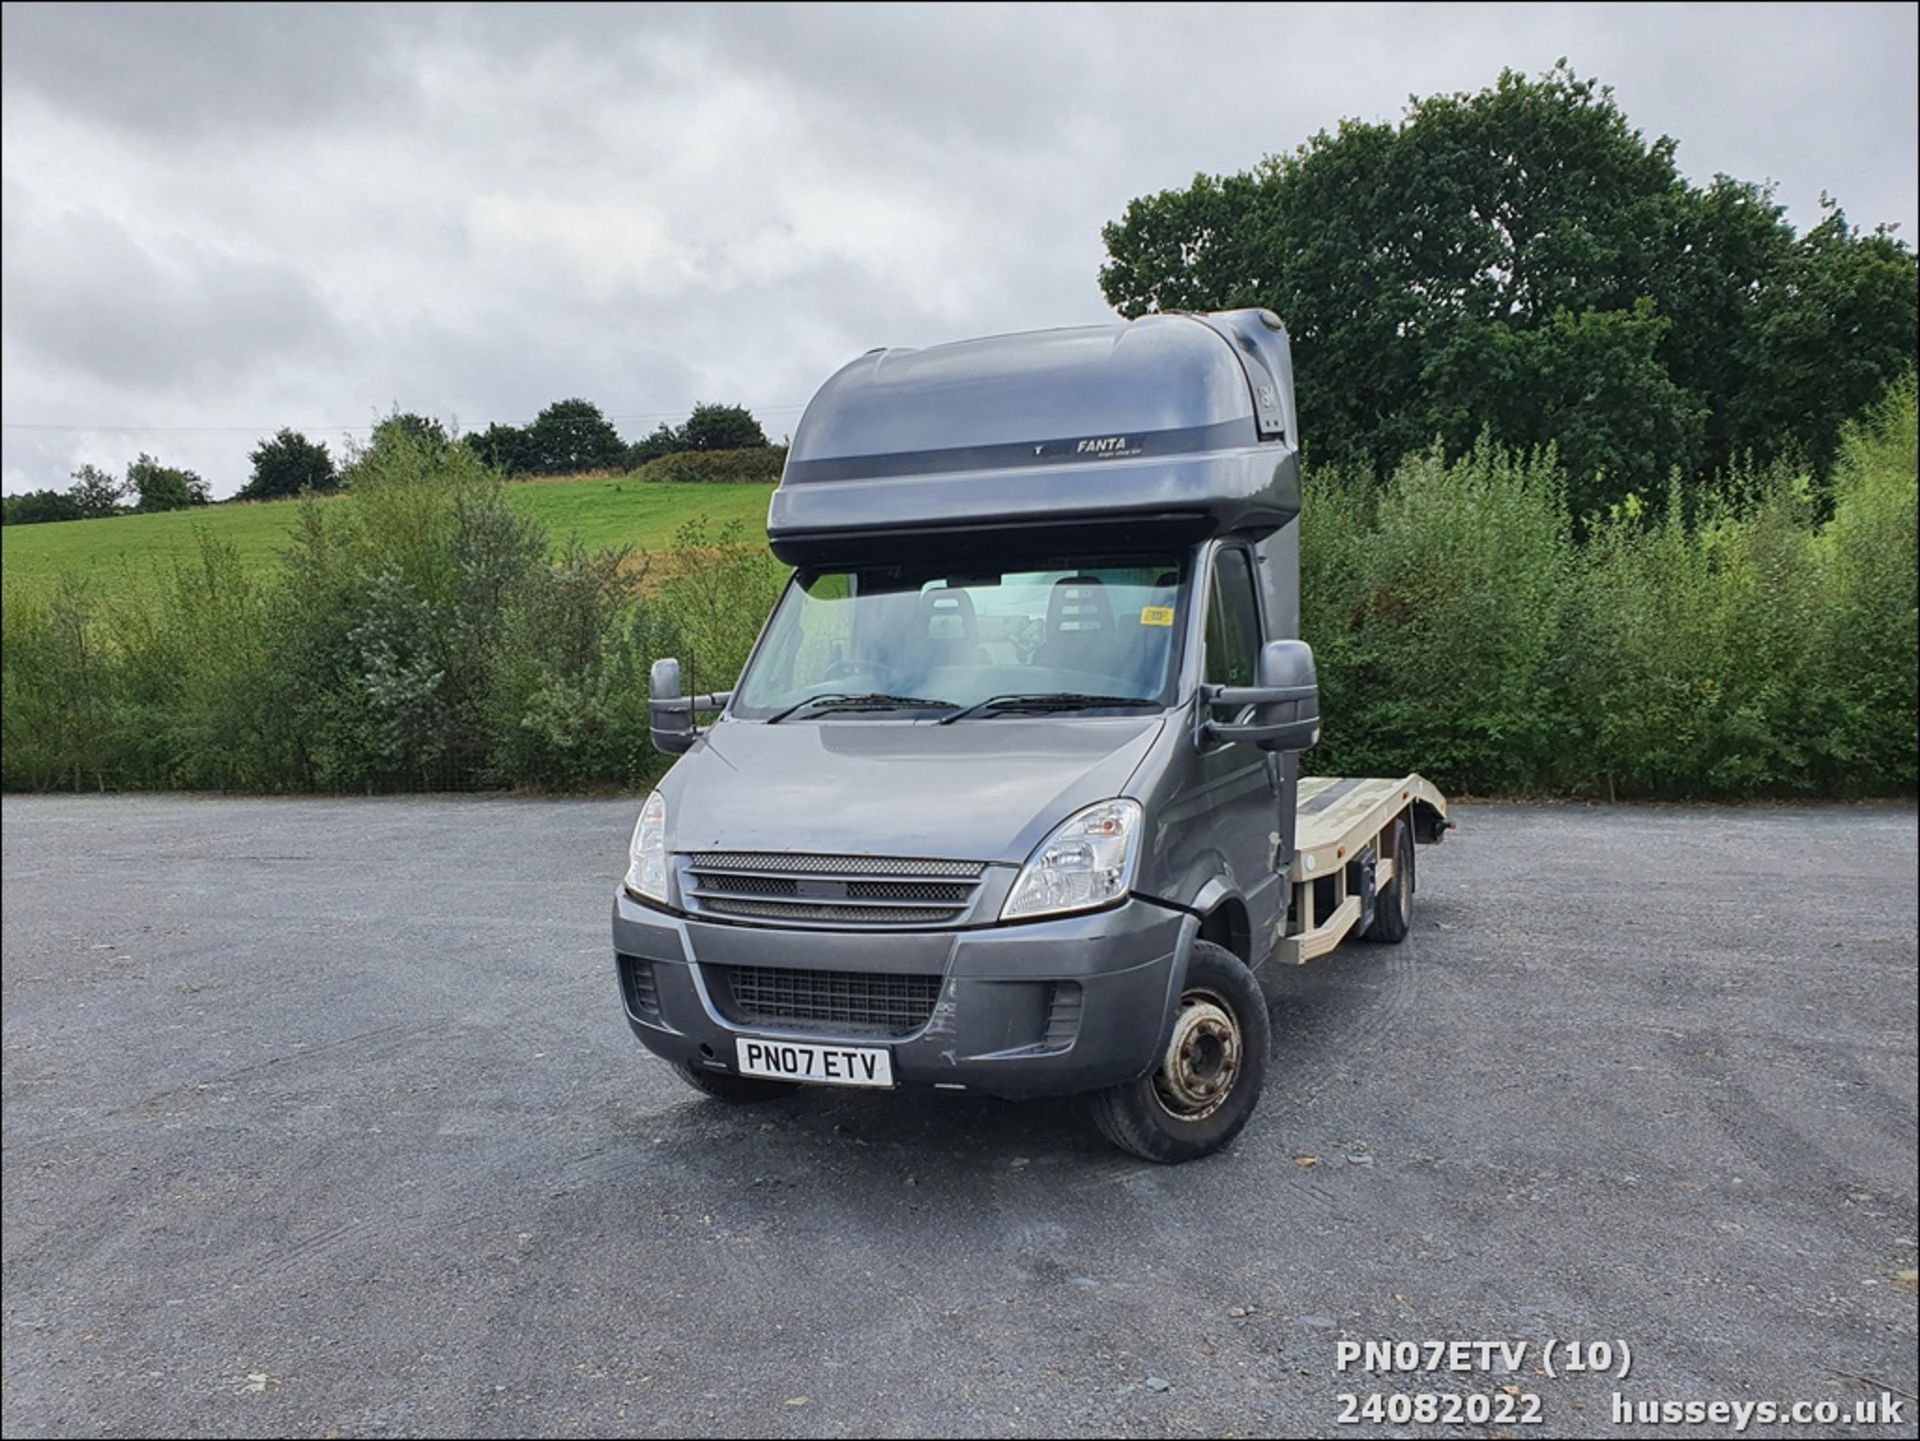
(1432, 604)
(1866, 658)
(37, 507)
(58, 699)
(759, 465)
(1686, 668)
(1743, 649)
(421, 633)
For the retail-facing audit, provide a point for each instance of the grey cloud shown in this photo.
(302, 214)
(89, 297)
(165, 72)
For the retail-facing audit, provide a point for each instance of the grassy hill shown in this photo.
(128, 553)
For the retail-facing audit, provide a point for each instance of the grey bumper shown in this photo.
(1040, 1008)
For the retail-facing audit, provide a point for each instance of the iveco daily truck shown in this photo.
(1007, 798)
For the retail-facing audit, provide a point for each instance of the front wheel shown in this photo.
(1208, 1080)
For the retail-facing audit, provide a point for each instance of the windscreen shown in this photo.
(1059, 627)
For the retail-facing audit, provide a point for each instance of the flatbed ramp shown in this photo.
(1343, 832)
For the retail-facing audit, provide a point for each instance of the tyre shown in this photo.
(737, 1090)
(1208, 1080)
(1393, 907)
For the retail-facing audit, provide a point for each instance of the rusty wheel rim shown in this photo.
(1202, 1059)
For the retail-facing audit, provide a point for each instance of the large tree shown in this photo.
(570, 436)
(96, 493)
(721, 427)
(289, 464)
(1523, 260)
(164, 487)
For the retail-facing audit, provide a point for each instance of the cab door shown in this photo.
(1238, 780)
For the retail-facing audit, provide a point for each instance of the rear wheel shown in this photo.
(1208, 1080)
(1393, 906)
(739, 1090)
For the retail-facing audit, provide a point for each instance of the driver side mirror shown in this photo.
(1286, 702)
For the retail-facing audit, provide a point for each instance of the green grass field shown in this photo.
(129, 553)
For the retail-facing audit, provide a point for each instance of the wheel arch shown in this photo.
(1224, 919)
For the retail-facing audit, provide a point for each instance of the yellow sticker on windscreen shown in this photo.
(1156, 615)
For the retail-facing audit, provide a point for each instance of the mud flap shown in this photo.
(1362, 881)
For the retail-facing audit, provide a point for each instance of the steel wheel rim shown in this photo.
(1202, 1060)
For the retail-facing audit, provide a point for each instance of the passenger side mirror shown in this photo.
(669, 716)
(1286, 702)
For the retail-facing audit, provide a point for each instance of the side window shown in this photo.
(1233, 621)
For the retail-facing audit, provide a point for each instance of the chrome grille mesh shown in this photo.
(840, 891)
(836, 865)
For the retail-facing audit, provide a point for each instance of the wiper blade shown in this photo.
(1045, 700)
(847, 700)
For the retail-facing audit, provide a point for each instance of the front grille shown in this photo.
(847, 1001)
(831, 890)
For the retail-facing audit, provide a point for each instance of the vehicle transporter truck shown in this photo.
(1007, 797)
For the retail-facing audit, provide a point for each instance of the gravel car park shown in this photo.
(318, 1119)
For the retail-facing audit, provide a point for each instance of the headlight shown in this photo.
(647, 855)
(1088, 862)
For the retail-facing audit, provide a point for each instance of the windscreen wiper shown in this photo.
(847, 700)
(1044, 700)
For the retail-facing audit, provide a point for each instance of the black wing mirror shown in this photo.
(1286, 702)
(669, 716)
(669, 713)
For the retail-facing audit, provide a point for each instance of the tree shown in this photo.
(289, 464)
(164, 487)
(422, 428)
(95, 493)
(664, 440)
(1522, 260)
(721, 427)
(36, 507)
(399, 433)
(570, 436)
(504, 447)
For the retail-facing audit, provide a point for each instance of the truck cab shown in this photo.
(1007, 798)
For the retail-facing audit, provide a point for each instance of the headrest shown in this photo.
(1079, 604)
(948, 614)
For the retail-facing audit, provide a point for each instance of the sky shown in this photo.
(218, 221)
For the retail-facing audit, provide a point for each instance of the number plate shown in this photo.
(811, 1061)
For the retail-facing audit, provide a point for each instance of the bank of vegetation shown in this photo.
(424, 632)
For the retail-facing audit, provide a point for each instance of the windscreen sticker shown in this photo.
(1156, 615)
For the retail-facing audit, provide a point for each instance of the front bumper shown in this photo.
(1005, 1022)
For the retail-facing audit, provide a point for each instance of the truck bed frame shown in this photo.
(1344, 838)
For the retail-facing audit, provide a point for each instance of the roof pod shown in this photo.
(1173, 420)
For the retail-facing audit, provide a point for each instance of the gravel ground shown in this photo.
(321, 1117)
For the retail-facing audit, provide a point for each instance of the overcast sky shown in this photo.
(221, 221)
